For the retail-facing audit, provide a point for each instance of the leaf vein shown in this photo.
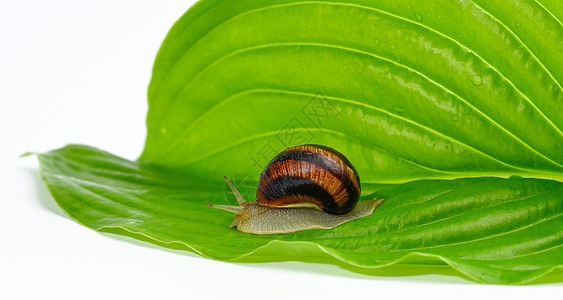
(549, 12)
(230, 98)
(535, 57)
(466, 212)
(272, 133)
(483, 238)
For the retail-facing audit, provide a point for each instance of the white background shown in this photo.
(77, 72)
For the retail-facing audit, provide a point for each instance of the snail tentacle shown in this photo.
(233, 209)
(239, 197)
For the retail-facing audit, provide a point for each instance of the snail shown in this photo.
(303, 187)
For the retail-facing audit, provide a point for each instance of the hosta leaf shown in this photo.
(408, 90)
(490, 229)
(440, 105)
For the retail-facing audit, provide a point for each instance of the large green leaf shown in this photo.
(438, 89)
(490, 229)
(422, 96)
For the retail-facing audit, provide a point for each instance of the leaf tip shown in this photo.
(26, 154)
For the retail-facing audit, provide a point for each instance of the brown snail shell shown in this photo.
(310, 175)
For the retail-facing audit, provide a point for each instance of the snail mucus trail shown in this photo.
(303, 187)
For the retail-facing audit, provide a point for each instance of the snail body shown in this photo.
(303, 187)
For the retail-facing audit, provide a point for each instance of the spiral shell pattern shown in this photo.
(310, 175)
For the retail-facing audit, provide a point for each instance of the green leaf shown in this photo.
(490, 229)
(441, 89)
(440, 105)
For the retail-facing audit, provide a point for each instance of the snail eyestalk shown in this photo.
(237, 194)
(233, 209)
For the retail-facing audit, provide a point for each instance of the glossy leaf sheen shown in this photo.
(432, 101)
(403, 86)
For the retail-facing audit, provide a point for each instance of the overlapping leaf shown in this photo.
(490, 229)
